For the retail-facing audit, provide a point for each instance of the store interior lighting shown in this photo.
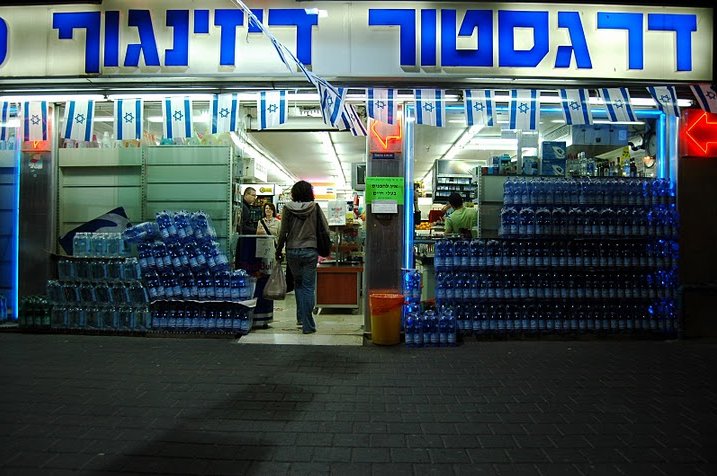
(247, 145)
(492, 143)
(330, 150)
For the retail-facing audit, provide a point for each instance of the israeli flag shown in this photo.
(79, 116)
(177, 117)
(4, 118)
(351, 120)
(273, 109)
(225, 113)
(430, 107)
(617, 103)
(34, 120)
(706, 97)
(666, 99)
(575, 106)
(332, 102)
(524, 110)
(480, 107)
(128, 119)
(382, 105)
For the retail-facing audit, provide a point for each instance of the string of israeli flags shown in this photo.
(382, 105)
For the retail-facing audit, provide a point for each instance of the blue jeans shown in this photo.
(302, 262)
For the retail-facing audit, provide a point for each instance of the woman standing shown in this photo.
(270, 220)
(298, 232)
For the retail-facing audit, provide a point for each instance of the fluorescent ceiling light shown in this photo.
(494, 141)
(54, 98)
(160, 96)
(605, 121)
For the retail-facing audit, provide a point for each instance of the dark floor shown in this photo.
(207, 406)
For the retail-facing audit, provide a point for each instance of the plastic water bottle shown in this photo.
(167, 229)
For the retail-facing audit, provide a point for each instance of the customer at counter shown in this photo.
(463, 220)
(269, 222)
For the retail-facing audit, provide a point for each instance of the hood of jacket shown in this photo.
(300, 209)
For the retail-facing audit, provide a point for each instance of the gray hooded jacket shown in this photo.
(298, 225)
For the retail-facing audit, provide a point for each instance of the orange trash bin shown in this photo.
(386, 308)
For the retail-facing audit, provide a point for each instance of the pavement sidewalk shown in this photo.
(107, 405)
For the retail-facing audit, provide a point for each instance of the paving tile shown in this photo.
(370, 455)
(409, 455)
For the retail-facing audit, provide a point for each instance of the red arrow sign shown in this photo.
(389, 137)
(703, 132)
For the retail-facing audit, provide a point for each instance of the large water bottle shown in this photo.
(418, 331)
(508, 192)
(442, 331)
(166, 226)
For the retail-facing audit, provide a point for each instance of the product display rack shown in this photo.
(446, 184)
(606, 277)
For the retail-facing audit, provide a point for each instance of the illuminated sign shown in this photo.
(499, 39)
(699, 133)
(385, 138)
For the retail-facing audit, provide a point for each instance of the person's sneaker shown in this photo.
(298, 324)
(309, 332)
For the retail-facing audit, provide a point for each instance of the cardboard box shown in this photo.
(554, 158)
(618, 135)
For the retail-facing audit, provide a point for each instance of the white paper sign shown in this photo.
(337, 213)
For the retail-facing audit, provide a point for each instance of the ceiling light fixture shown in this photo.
(330, 150)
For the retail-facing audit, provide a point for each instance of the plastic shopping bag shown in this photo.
(275, 288)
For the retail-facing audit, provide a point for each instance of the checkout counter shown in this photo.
(339, 281)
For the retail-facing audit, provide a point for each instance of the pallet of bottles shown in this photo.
(219, 318)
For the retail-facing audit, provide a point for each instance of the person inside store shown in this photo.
(298, 233)
(269, 222)
(249, 218)
(463, 220)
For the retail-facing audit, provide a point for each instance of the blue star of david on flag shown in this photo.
(332, 102)
(430, 107)
(177, 117)
(479, 105)
(524, 109)
(706, 97)
(273, 109)
(575, 106)
(382, 105)
(352, 121)
(666, 99)
(617, 103)
(78, 120)
(225, 113)
(34, 120)
(128, 119)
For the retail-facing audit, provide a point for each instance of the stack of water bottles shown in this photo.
(99, 294)
(425, 328)
(574, 255)
(181, 261)
(34, 313)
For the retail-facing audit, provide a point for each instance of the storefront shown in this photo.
(461, 57)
